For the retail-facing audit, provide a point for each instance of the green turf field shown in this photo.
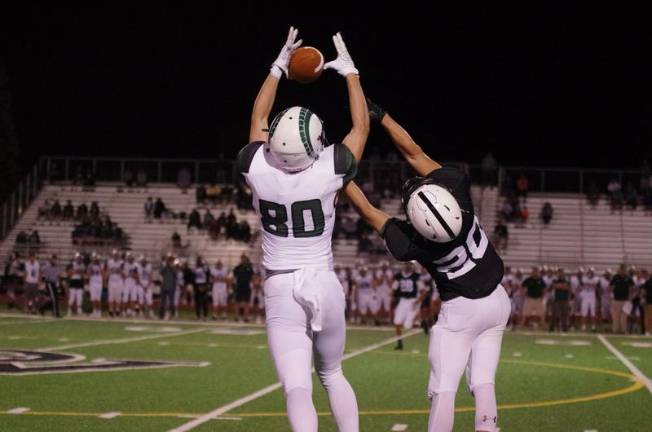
(544, 383)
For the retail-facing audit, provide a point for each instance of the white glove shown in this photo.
(343, 64)
(283, 61)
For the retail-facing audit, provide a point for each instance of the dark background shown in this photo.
(552, 86)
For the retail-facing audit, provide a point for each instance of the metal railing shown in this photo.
(18, 201)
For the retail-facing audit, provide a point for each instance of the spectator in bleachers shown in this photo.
(68, 211)
(208, 219)
(546, 213)
(82, 211)
(149, 208)
(244, 232)
(243, 198)
(176, 240)
(44, 210)
(159, 208)
(615, 194)
(141, 178)
(213, 193)
(506, 210)
(522, 186)
(593, 194)
(647, 199)
(34, 238)
(525, 214)
(55, 210)
(184, 179)
(489, 168)
(94, 210)
(501, 235)
(194, 220)
(200, 194)
(221, 222)
(22, 238)
(631, 196)
(128, 177)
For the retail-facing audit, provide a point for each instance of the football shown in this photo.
(306, 65)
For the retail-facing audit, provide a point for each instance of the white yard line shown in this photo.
(264, 391)
(633, 369)
(121, 341)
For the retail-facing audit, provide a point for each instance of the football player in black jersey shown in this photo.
(410, 291)
(443, 234)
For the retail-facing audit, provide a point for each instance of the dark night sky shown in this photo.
(555, 86)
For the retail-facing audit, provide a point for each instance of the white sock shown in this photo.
(442, 412)
(342, 401)
(486, 411)
(301, 411)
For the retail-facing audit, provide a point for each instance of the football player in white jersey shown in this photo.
(32, 279)
(383, 280)
(588, 298)
(95, 274)
(365, 296)
(220, 292)
(295, 178)
(144, 292)
(114, 268)
(131, 281)
(76, 271)
(443, 234)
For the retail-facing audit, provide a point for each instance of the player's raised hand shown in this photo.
(376, 112)
(343, 64)
(282, 62)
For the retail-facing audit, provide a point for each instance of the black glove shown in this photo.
(375, 111)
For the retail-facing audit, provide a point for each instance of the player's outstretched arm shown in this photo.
(258, 131)
(374, 217)
(411, 151)
(343, 64)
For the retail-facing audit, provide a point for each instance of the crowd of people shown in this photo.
(581, 300)
(123, 285)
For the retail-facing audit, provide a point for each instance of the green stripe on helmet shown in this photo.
(304, 130)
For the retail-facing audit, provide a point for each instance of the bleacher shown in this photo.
(152, 237)
(579, 235)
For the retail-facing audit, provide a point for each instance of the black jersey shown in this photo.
(468, 266)
(408, 284)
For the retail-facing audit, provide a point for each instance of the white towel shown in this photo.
(308, 294)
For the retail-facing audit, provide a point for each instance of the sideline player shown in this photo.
(219, 292)
(410, 291)
(295, 178)
(443, 234)
(95, 274)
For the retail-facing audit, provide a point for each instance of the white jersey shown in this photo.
(547, 279)
(384, 278)
(115, 269)
(219, 276)
(130, 269)
(95, 273)
(32, 270)
(297, 210)
(78, 270)
(364, 283)
(144, 274)
(590, 283)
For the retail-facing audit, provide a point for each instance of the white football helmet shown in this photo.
(432, 210)
(296, 137)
